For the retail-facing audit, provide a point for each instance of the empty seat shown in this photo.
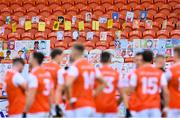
(173, 17)
(14, 36)
(15, 4)
(152, 9)
(137, 9)
(28, 3)
(163, 34)
(146, 3)
(149, 34)
(3, 37)
(102, 45)
(80, 3)
(159, 2)
(67, 3)
(41, 4)
(106, 3)
(133, 3)
(6, 11)
(72, 11)
(172, 3)
(45, 11)
(135, 35)
(98, 10)
(54, 4)
(19, 11)
(58, 11)
(40, 36)
(120, 3)
(19, 29)
(89, 45)
(165, 9)
(27, 36)
(175, 34)
(124, 35)
(32, 11)
(62, 45)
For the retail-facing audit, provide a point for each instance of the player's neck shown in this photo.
(147, 64)
(35, 66)
(54, 60)
(15, 68)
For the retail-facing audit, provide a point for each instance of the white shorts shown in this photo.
(147, 113)
(80, 112)
(15, 116)
(173, 113)
(106, 115)
(38, 115)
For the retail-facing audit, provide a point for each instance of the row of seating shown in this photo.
(67, 3)
(82, 35)
(98, 10)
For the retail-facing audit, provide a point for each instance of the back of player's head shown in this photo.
(147, 56)
(79, 47)
(105, 57)
(139, 54)
(177, 51)
(18, 61)
(159, 57)
(55, 52)
(39, 57)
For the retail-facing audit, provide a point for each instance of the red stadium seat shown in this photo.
(165, 9)
(116, 26)
(84, 10)
(111, 45)
(106, 3)
(125, 35)
(98, 10)
(27, 36)
(178, 25)
(89, 45)
(20, 29)
(67, 3)
(7, 29)
(149, 34)
(124, 9)
(40, 36)
(150, 16)
(52, 36)
(163, 34)
(19, 11)
(141, 26)
(87, 26)
(102, 45)
(96, 37)
(156, 26)
(41, 3)
(111, 9)
(14, 36)
(146, 3)
(128, 27)
(176, 9)
(170, 26)
(137, 9)
(93, 3)
(3, 37)
(80, 3)
(72, 11)
(135, 35)
(15, 19)
(68, 37)
(175, 34)
(4, 4)
(61, 45)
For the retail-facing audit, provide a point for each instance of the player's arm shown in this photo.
(102, 82)
(132, 83)
(20, 81)
(31, 92)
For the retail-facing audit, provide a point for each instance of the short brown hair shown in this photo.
(177, 50)
(79, 47)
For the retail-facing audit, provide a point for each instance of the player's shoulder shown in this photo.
(175, 66)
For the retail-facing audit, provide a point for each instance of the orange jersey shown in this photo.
(53, 68)
(16, 95)
(82, 88)
(147, 81)
(106, 100)
(41, 80)
(173, 76)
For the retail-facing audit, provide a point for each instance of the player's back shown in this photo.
(53, 68)
(41, 102)
(82, 88)
(147, 93)
(16, 96)
(106, 100)
(174, 86)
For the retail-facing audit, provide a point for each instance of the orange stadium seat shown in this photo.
(106, 3)
(52, 36)
(135, 35)
(93, 3)
(87, 26)
(2, 20)
(146, 3)
(45, 11)
(34, 29)
(98, 10)
(20, 29)
(19, 11)
(172, 3)
(67, 3)
(68, 37)
(173, 17)
(41, 4)
(111, 45)
(72, 11)
(58, 11)
(6, 11)
(163, 34)
(175, 34)
(170, 26)
(124, 9)
(149, 34)
(27, 36)
(116, 26)
(176, 9)
(133, 3)
(89, 45)
(150, 16)
(32, 11)
(152, 9)
(178, 25)
(111, 9)
(7, 29)
(102, 45)
(120, 3)
(156, 26)
(80, 3)
(40, 35)
(84, 9)
(125, 35)
(28, 4)
(4, 4)
(54, 4)
(15, 4)
(15, 19)
(96, 37)
(159, 2)
(3, 37)
(14, 36)
(137, 9)
(61, 45)
(165, 9)
(141, 26)
(128, 27)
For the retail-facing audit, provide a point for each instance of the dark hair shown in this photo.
(147, 56)
(18, 60)
(36, 42)
(139, 54)
(55, 52)
(177, 50)
(79, 47)
(66, 67)
(105, 57)
(39, 57)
